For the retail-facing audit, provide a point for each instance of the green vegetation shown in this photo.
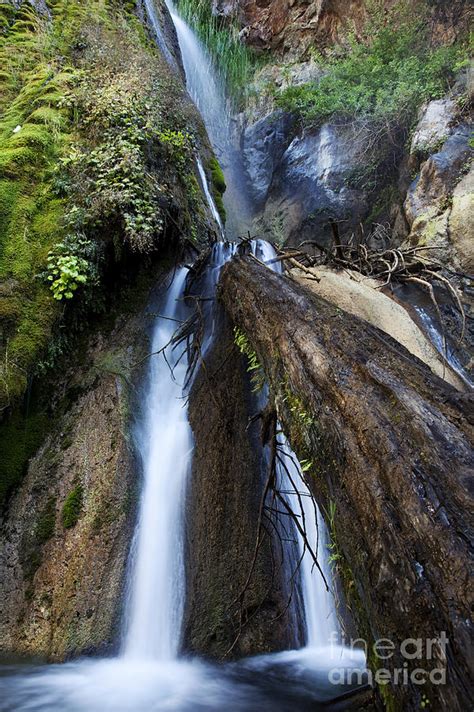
(335, 555)
(254, 365)
(20, 438)
(46, 523)
(380, 79)
(66, 273)
(236, 62)
(96, 144)
(297, 409)
(218, 186)
(72, 507)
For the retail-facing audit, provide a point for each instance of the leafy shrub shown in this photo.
(382, 78)
(179, 145)
(72, 507)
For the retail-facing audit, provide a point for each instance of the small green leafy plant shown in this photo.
(254, 366)
(66, 273)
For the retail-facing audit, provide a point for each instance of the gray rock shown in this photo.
(314, 181)
(439, 206)
(439, 175)
(264, 144)
(225, 8)
(434, 126)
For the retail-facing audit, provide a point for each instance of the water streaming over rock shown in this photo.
(208, 93)
(158, 31)
(163, 440)
(435, 333)
(321, 623)
(209, 198)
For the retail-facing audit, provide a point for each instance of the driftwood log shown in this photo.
(391, 458)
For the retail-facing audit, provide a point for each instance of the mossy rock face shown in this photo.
(70, 521)
(218, 186)
(47, 522)
(72, 507)
(218, 180)
(20, 438)
(83, 163)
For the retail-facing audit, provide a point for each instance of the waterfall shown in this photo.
(321, 624)
(208, 93)
(209, 198)
(150, 9)
(204, 85)
(163, 440)
(162, 437)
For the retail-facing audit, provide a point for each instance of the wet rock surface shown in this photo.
(314, 180)
(227, 479)
(264, 144)
(434, 126)
(62, 577)
(439, 207)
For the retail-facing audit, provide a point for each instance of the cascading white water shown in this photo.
(204, 85)
(321, 623)
(159, 34)
(322, 626)
(207, 90)
(164, 441)
(209, 198)
(435, 335)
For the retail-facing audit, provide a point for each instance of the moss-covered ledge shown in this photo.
(97, 143)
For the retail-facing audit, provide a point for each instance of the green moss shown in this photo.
(218, 186)
(103, 151)
(72, 507)
(46, 522)
(218, 180)
(107, 513)
(20, 438)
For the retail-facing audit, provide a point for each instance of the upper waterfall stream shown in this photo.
(208, 93)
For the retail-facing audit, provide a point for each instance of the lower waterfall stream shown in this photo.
(149, 673)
